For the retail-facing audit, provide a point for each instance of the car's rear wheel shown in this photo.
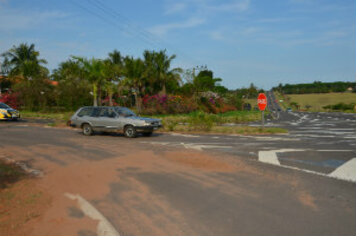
(130, 131)
(87, 130)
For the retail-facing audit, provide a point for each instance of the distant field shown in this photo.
(317, 101)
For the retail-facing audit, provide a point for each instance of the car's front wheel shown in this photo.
(87, 130)
(130, 131)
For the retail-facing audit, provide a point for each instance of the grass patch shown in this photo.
(63, 116)
(9, 173)
(252, 102)
(316, 102)
(243, 130)
(237, 117)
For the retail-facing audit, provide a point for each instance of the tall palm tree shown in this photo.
(112, 75)
(116, 58)
(23, 62)
(159, 69)
(93, 70)
(134, 72)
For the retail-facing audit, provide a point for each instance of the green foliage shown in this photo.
(340, 107)
(200, 121)
(73, 90)
(113, 80)
(248, 93)
(316, 87)
(170, 123)
(205, 81)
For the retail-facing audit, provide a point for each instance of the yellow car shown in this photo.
(8, 113)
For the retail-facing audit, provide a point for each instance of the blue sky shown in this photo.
(242, 41)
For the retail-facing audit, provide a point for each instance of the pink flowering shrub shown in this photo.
(10, 99)
(168, 104)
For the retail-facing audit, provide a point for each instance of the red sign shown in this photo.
(262, 101)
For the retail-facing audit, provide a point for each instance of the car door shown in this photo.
(107, 119)
(93, 119)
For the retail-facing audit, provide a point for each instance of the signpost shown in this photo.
(262, 104)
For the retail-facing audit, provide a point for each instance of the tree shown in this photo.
(73, 89)
(23, 62)
(30, 77)
(205, 81)
(93, 71)
(134, 71)
(158, 69)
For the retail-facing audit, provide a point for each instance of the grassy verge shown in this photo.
(64, 116)
(229, 130)
(237, 117)
(192, 122)
(281, 100)
(316, 102)
(213, 123)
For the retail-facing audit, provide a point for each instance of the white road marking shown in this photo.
(200, 147)
(104, 227)
(333, 150)
(346, 171)
(185, 135)
(161, 143)
(269, 138)
(270, 157)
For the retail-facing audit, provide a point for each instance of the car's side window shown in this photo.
(112, 113)
(96, 112)
(104, 112)
(85, 112)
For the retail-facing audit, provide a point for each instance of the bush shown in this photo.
(340, 107)
(10, 99)
(168, 104)
(200, 121)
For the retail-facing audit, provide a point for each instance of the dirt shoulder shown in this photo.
(22, 200)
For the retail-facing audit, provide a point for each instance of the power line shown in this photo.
(112, 23)
(123, 21)
(125, 24)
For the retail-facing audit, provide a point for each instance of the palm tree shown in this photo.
(93, 70)
(134, 72)
(23, 62)
(112, 75)
(158, 69)
(116, 58)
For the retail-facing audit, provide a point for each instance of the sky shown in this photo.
(241, 41)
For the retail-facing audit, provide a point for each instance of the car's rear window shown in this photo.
(85, 112)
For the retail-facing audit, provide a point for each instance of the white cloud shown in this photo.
(161, 30)
(19, 20)
(175, 8)
(236, 6)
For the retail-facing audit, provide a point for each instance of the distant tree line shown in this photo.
(316, 87)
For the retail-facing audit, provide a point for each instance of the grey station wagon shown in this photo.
(92, 119)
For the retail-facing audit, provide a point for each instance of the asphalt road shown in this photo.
(317, 142)
(176, 184)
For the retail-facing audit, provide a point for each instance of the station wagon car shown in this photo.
(113, 119)
(8, 113)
